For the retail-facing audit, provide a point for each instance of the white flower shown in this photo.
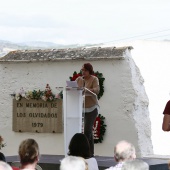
(17, 96)
(22, 92)
(44, 98)
(28, 95)
(51, 97)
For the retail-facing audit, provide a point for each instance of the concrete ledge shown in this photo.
(52, 162)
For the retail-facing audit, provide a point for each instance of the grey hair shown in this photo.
(4, 166)
(127, 154)
(135, 165)
(73, 162)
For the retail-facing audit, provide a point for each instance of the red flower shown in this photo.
(75, 76)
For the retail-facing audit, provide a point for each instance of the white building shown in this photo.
(124, 103)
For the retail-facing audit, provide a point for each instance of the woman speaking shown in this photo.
(91, 82)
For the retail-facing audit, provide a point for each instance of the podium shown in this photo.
(73, 110)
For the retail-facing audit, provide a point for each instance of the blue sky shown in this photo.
(84, 21)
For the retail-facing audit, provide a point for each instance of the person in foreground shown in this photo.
(135, 165)
(73, 163)
(79, 146)
(169, 164)
(166, 118)
(29, 154)
(4, 166)
(91, 82)
(123, 151)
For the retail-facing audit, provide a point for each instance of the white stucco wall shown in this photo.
(124, 103)
(153, 58)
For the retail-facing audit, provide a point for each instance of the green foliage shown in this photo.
(101, 83)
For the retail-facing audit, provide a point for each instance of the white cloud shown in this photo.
(81, 20)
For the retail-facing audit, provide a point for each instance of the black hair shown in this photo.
(79, 146)
(2, 157)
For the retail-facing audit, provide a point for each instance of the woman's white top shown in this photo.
(92, 164)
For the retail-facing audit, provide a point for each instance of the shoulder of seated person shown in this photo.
(110, 168)
(92, 158)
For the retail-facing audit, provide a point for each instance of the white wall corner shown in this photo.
(140, 111)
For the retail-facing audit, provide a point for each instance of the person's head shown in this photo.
(124, 151)
(4, 166)
(135, 165)
(28, 152)
(87, 69)
(79, 146)
(73, 162)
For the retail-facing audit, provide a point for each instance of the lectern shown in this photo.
(73, 109)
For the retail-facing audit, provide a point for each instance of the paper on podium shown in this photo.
(72, 84)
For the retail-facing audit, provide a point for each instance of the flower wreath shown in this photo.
(98, 75)
(99, 129)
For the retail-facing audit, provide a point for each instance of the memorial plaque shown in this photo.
(37, 116)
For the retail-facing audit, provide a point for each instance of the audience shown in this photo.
(79, 146)
(123, 151)
(79, 156)
(29, 154)
(135, 165)
(73, 163)
(4, 166)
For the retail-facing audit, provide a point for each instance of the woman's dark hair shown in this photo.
(2, 157)
(28, 151)
(79, 146)
(88, 67)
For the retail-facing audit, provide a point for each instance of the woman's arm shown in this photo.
(166, 119)
(96, 87)
(166, 123)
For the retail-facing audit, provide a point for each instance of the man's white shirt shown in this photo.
(116, 167)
